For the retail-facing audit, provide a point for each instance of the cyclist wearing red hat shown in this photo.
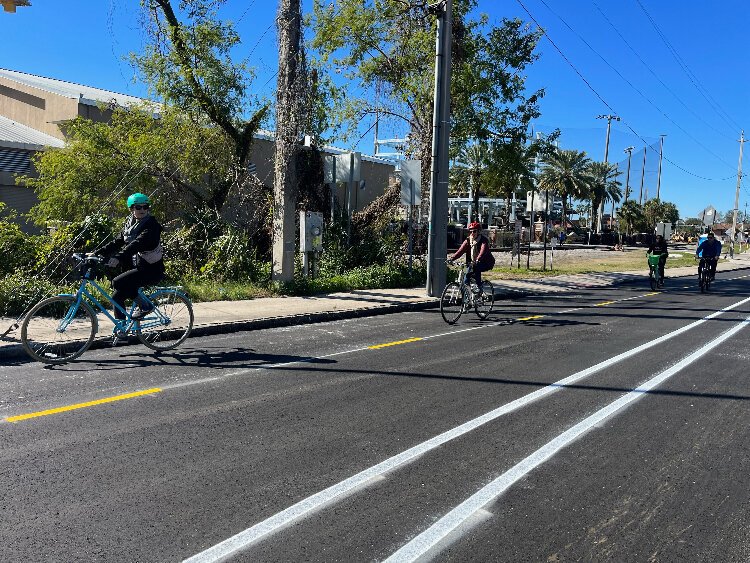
(477, 250)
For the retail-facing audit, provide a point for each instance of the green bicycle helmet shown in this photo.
(138, 198)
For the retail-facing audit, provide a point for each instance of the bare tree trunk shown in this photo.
(288, 22)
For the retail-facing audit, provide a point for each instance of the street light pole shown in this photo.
(643, 176)
(628, 150)
(658, 175)
(609, 119)
(437, 241)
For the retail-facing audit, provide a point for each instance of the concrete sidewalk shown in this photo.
(229, 316)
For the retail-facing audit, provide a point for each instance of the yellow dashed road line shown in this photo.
(396, 343)
(48, 412)
(82, 405)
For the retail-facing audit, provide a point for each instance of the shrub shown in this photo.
(376, 276)
(20, 290)
(17, 249)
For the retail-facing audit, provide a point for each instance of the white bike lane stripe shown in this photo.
(458, 518)
(338, 491)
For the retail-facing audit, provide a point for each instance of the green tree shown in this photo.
(469, 172)
(603, 187)
(188, 64)
(135, 151)
(385, 49)
(657, 211)
(565, 173)
(632, 217)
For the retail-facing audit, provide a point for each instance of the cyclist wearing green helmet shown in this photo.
(138, 249)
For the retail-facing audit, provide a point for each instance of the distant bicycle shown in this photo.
(654, 272)
(704, 274)
(458, 297)
(61, 328)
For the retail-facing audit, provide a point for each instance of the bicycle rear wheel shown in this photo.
(169, 324)
(452, 302)
(55, 332)
(484, 300)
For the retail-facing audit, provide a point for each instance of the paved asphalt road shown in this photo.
(484, 441)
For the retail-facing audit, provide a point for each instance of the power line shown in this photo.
(648, 67)
(601, 99)
(657, 108)
(698, 86)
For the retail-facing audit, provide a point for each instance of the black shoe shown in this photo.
(139, 313)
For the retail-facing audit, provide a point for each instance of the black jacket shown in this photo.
(658, 248)
(134, 238)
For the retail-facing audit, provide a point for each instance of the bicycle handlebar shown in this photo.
(91, 259)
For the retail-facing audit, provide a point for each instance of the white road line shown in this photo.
(338, 491)
(430, 538)
(261, 367)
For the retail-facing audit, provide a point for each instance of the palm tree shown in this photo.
(566, 174)
(632, 215)
(604, 187)
(511, 168)
(469, 170)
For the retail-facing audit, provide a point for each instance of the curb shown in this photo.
(15, 351)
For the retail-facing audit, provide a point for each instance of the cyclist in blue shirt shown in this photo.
(710, 249)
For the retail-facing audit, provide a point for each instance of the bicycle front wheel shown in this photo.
(169, 324)
(56, 330)
(452, 302)
(484, 300)
(652, 279)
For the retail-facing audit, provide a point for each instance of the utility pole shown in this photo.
(600, 211)
(437, 242)
(612, 215)
(643, 175)
(288, 21)
(737, 192)
(658, 174)
(628, 150)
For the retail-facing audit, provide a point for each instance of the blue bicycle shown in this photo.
(61, 328)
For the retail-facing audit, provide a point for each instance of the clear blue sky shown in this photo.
(700, 107)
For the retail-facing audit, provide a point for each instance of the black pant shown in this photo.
(709, 263)
(662, 263)
(476, 272)
(126, 284)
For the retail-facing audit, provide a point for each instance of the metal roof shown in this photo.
(84, 94)
(16, 136)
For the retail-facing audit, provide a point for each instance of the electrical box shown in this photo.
(311, 231)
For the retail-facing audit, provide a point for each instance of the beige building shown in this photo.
(32, 108)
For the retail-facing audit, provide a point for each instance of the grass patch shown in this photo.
(230, 291)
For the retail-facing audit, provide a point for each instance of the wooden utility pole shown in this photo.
(737, 191)
(600, 211)
(289, 25)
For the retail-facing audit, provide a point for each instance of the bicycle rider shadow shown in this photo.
(219, 359)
